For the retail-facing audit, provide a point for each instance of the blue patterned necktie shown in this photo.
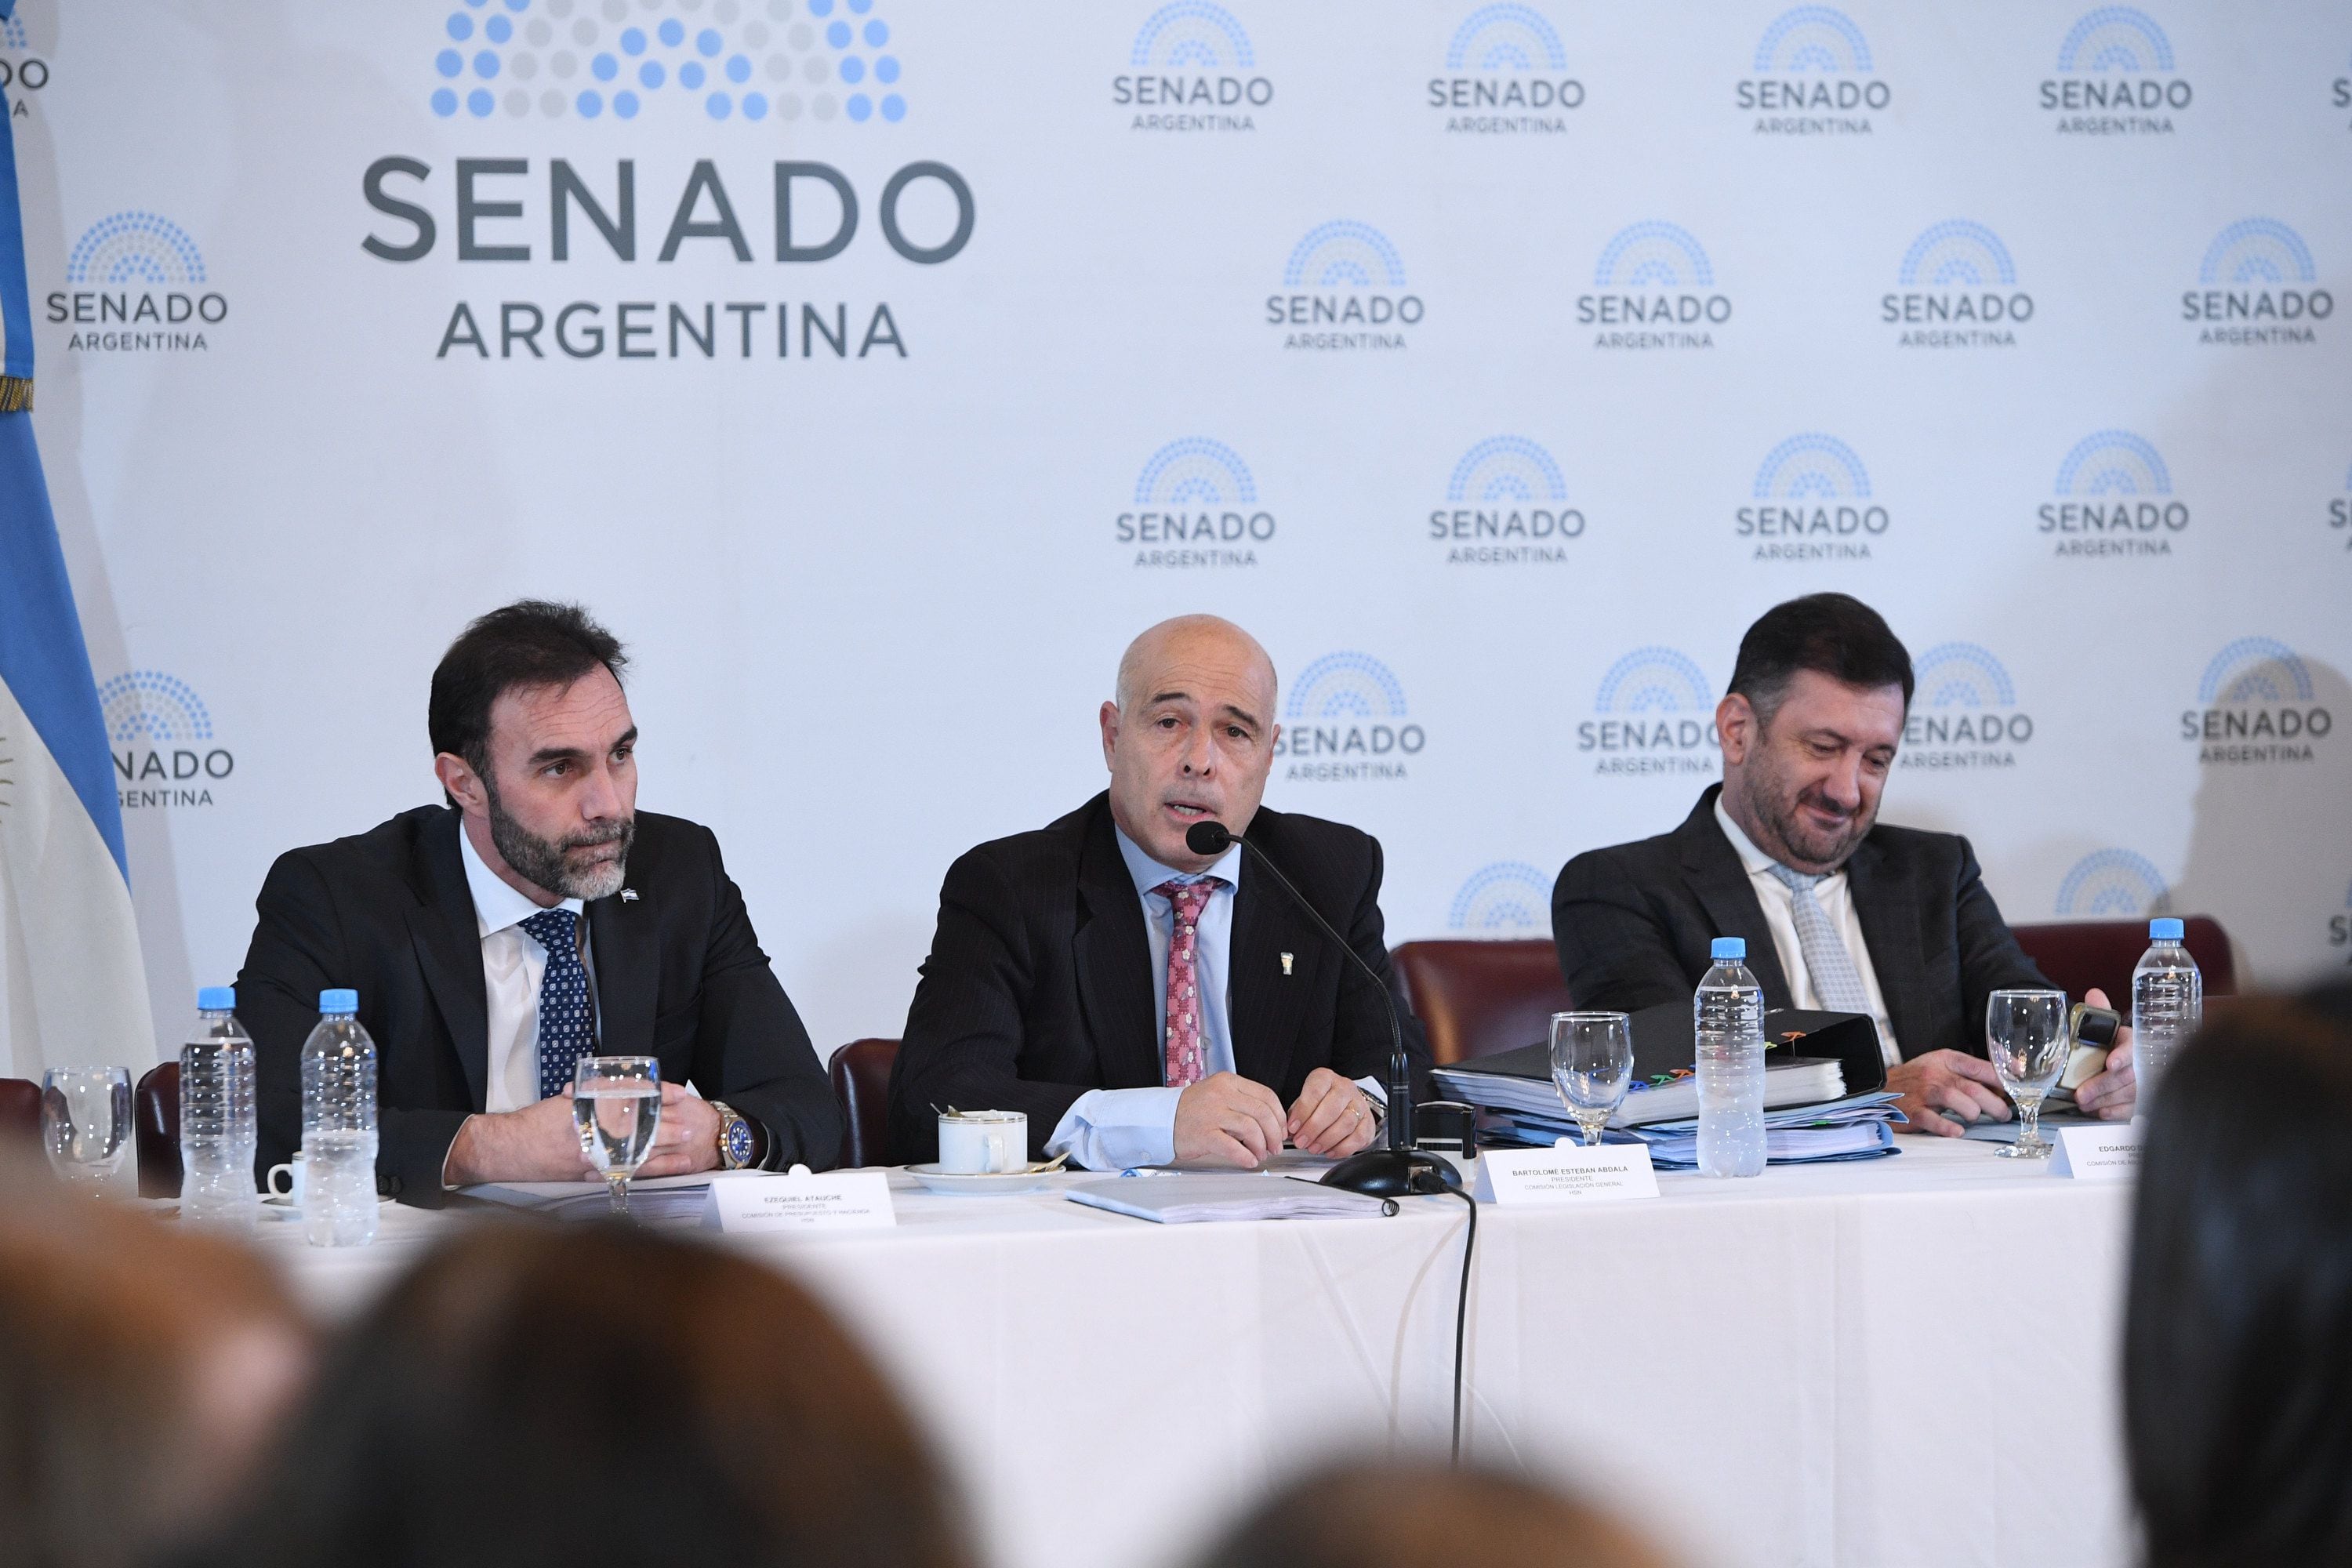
(567, 1021)
(1837, 983)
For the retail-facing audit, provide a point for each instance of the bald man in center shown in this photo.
(1143, 1004)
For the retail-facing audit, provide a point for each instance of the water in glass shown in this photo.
(616, 1107)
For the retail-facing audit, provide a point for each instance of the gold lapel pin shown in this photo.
(1285, 963)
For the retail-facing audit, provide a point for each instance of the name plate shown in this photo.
(772, 1205)
(2098, 1153)
(1567, 1174)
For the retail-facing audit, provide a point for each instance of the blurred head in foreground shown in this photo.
(581, 1393)
(2238, 1335)
(140, 1371)
(1408, 1515)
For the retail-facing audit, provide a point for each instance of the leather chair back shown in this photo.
(155, 1119)
(2080, 954)
(860, 1071)
(20, 1112)
(1475, 998)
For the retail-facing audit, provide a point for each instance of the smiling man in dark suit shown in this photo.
(1141, 1004)
(536, 918)
(1840, 911)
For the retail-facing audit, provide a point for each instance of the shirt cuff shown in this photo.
(1117, 1128)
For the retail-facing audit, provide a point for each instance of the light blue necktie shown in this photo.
(1837, 983)
(567, 1022)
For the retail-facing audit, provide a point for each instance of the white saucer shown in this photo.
(283, 1204)
(998, 1181)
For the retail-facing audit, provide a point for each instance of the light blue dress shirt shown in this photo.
(1114, 1128)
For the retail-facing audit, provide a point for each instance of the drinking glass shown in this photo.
(616, 1106)
(2025, 1034)
(1591, 1064)
(86, 1123)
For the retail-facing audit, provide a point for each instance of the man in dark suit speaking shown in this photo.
(536, 918)
(1838, 913)
(1141, 1004)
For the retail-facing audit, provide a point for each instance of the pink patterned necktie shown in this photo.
(1186, 1062)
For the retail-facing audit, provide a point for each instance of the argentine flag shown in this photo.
(72, 991)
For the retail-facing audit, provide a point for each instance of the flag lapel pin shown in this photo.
(1285, 963)
(628, 895)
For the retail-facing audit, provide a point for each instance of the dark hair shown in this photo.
(544, 1394)
(531, 642)
(1834, 635)
(2238, 1326)
(1408, 1514)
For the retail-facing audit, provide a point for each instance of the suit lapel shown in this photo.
(447, 939)
(1111, 954)
(624, 940)
(1887, 903)
(1264, 1002)
(1721, 883)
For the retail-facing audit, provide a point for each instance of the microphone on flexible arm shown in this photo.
(1399, 1169)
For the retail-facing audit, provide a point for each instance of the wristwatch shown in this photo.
(737, 1144)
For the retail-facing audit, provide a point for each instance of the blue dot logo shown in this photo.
(837, 34)
(886, 69)
(590, 103)
(708, 43)
(448, 62)
(739, 70)
(480, 102)
(445, 102)
(719, 105)
(633, 41)
(498, 30)
(894, 109)
(651, 74)
(860, 106)
(853, 70)
(486, 64)
(820, 7)
(673, 32)
(754, 107)
(461, 27)
(877, 34)
(624, 104)
(604, 67)
(690, 75)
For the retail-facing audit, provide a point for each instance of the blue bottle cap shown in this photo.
(2165, 931)
(216, 999)
(1731, 947)
(339, 1001)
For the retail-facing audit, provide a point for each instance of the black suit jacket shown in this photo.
(1633, 923)
(680, 975)
(1039, 986)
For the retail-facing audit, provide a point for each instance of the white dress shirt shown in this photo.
(1837, 902)
(1115, 1128)
(512, 964)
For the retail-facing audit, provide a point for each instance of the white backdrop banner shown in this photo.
(877, 368)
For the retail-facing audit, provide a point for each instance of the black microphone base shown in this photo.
(1393, 1174)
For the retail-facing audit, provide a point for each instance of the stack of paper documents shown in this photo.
(1184, 1197)
(1859, 1126)
(1806, 1080)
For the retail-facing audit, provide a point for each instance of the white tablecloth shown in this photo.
(1908, 1360)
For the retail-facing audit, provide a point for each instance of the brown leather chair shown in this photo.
(20, 1112)
(861, 1081)
(2080, 954)
(1475, 998)
(156, 1120)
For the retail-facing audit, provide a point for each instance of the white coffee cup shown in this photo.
(982, 1143)
(292, 1190)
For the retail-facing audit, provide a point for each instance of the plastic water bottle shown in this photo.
(2166, 1004)
(1729, 1013)
(339, 1126)
(219, 1127)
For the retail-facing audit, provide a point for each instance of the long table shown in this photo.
(1909, 1361)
